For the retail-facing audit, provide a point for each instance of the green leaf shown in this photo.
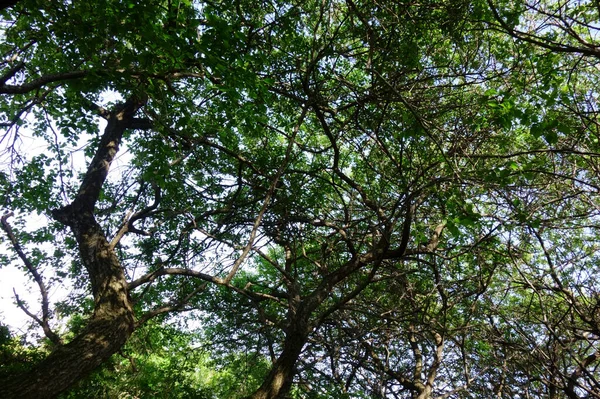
(451, 226)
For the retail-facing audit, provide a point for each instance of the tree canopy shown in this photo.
(316, 199)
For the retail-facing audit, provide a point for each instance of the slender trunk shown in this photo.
(279, 381)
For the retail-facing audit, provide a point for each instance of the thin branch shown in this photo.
(11, 72)
(43, 322)
(267, 200)
(178, 271)
(589, 50)
(127, 224)
(176, 306)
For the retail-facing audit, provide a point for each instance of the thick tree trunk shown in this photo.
(112, 322)
(109, 328)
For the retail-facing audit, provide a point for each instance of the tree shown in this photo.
(376, 199)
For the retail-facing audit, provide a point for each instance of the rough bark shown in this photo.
(279, 381)
(112, 321)
(107, 331)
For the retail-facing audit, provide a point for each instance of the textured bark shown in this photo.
(113, 319)
(278, 382)
(108, 329)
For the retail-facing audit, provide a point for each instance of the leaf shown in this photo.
(451, 226)
(536, 130)
(551, 136)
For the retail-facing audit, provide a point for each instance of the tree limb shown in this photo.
(44, 321)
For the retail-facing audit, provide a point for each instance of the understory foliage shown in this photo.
(315, 199)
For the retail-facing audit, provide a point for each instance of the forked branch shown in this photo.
(44, 321)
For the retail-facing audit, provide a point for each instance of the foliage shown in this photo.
(164, 362)
(16, 356)
(355, 198)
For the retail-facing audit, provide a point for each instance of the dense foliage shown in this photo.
(316, 199)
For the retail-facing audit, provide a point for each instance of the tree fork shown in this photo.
(112, 321)
(279, 381)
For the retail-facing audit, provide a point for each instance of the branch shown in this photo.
(173, 271)
(119, 120)
(589, 50)
(352, 294)
(395, 374)
(402, 249)
(438, 356)
(40, 82)
(112, 321)
(581, 368)
(202, 140)
(127, 225)
(43, 322)
(179, 271)
(175, 306)
(11, 72)
(267, 200)
(371, 204)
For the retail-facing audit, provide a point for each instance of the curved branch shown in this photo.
(127, 225)
(173, 271)
(43, 322)
(572, 384)
(173, 307)
(588, 50)
(179, 271)
(11, 72)
(268, 197)
(119, 120)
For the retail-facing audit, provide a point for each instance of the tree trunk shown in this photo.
(109, 328)
(112, 322)
(278, 382)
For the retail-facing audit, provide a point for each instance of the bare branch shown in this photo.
(178, 305)
(173, 271)
(127, 225)
(588, 50)
(11, 72)
(44, 321)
